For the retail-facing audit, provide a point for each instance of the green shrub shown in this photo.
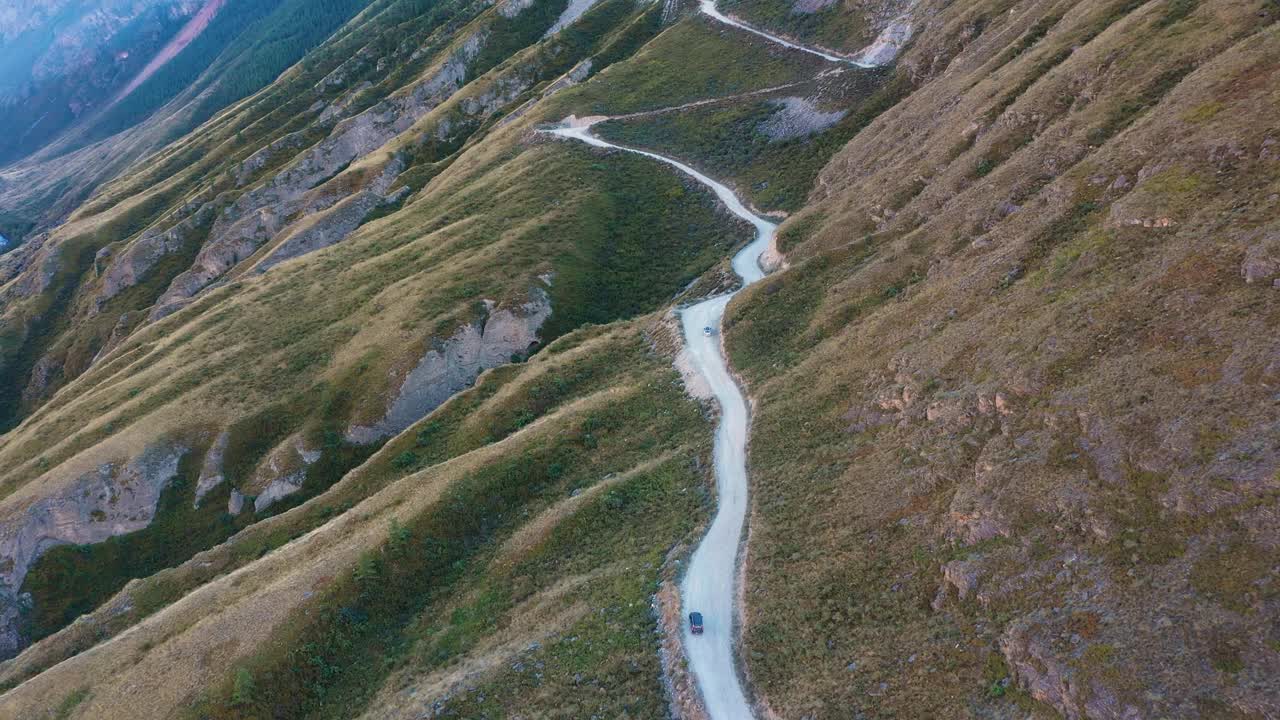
(405, 460)
(242, 688)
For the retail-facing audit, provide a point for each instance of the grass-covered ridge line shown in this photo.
(623, 248)
(386, 616)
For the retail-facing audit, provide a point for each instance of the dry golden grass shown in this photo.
(918, 303)
(156, 667)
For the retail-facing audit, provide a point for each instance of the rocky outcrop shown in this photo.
(336, 222)
(338, 108)
(798, 117)
(259, 214)
(113, 499)
(281, 474)
(512, 8)
(235, 504)
(127, 269)
(574, 10)
(885, 48)
(31, 266)
(211, 475)
(454, 364)
(1262, 261)
(251, 165)
(235, 244)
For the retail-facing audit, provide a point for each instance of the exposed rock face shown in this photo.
(1040, 669)
(885, 48)
(211, 470)
(1262, 260)
(32, 264)
(338, 109)
(279, 488)
(261, 213)
(130, 266)
(337, 221)
(114, 499)
(574, 10)
(798, 117)
(235, 504)
(512, 8)
(281, 473)
(258, 160)
(41, 378)
(455, 363)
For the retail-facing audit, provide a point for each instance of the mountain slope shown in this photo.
(1015, 392)
(101, 86)
(358, 400)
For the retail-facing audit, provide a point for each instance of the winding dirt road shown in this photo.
(711, 577)
(708, 8)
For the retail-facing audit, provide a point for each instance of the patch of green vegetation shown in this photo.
(1130, 108)
(1064, 228)
(47, 317)
(1173, 183)
(627, 41)
(508, 35)
(21, 348)
(1204, 112)
(1225, 655)
(768, 331)
(642, 237)
(73, 700)
(243, 689)
(14, 228)
(1066, 257)
(1176, 11)
(1236, 576)
(763, 335)
(250, 439)
(1150, 535)
(797, 230)
(1029, 39)
(688, 62)
(727, 141)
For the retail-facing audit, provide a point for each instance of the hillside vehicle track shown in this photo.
(711, 577)
(708, 8)
(710, 580)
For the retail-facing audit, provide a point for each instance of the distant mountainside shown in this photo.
(87, 87)
(61, 61)
(335, 384)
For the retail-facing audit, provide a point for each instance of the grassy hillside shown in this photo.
(1012, 446)
(554, 532)
(318, 346)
